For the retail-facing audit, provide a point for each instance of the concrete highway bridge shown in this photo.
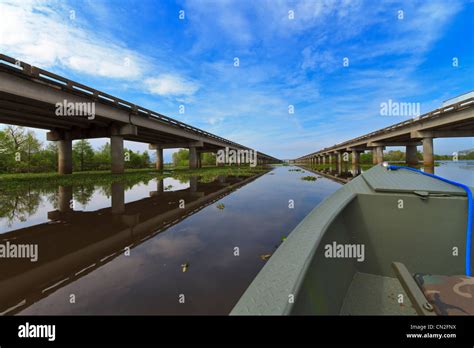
(31, 97)
(453, 120)
(94, 238)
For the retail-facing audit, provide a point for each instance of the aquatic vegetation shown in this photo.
(295, 170)
(265, 257)
(185, 266)
(308, 178)
(130, 177)
(220, 206)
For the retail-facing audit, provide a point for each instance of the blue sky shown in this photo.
(143, 52)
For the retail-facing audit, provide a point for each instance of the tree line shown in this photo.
(22, 152)
(181, 158)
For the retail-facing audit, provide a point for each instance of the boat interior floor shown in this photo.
(371, 294)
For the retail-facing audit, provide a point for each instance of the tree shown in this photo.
(19, 149)
(82, 153)
(7, 159)
(102, 158)
(49, 157)
(31, 147)
(181, 158)
(208, 158)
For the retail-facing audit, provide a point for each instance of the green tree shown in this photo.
(31, 148)
(181, 158)
(102, 158)
(145, 159)
(82, 155)
(19, 149)
(49, 157)
(7, 159)
(208, 158)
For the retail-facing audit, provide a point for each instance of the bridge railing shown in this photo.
(83, 90)
(429, 115)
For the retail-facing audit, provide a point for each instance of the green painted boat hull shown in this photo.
(396, 216)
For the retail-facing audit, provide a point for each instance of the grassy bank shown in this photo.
(12, 181)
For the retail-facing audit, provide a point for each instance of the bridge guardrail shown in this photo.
(62, 82)
(429, 115)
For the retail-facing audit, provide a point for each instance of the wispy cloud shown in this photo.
(171, 85)
(283, 61)
(45, 34)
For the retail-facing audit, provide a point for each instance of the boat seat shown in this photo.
(437, 294)
(449, 295)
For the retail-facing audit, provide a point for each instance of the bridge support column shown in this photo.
(65, 156)
(411, 158)
(339, 159)
(199, 159)
(355, 157)
(193, 158)
(374, 155)
(428, 158)
(379, 154)
(159, 158)
(116, 154)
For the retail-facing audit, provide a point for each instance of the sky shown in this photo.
(283, 77)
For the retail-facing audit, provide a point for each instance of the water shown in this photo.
(82, 246)
(461, 171)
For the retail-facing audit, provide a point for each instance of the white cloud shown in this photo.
(171, 85)
(42, 33)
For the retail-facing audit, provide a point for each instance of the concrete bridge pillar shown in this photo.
(199, 159)
(116, 154)
(159, 158)
(330, 159)
(339, 158)
(379, 154)
(355, 157)
(428, 157)
(374, 155)
(410, 155)
(65, 156)
(324, 159)
(193, 158)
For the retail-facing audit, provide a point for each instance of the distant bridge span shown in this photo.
(28, 97)
(455, 120)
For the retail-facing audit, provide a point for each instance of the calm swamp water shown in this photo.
(155, 247)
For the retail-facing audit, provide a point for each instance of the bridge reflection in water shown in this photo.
(74, 243)
(341, 173)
